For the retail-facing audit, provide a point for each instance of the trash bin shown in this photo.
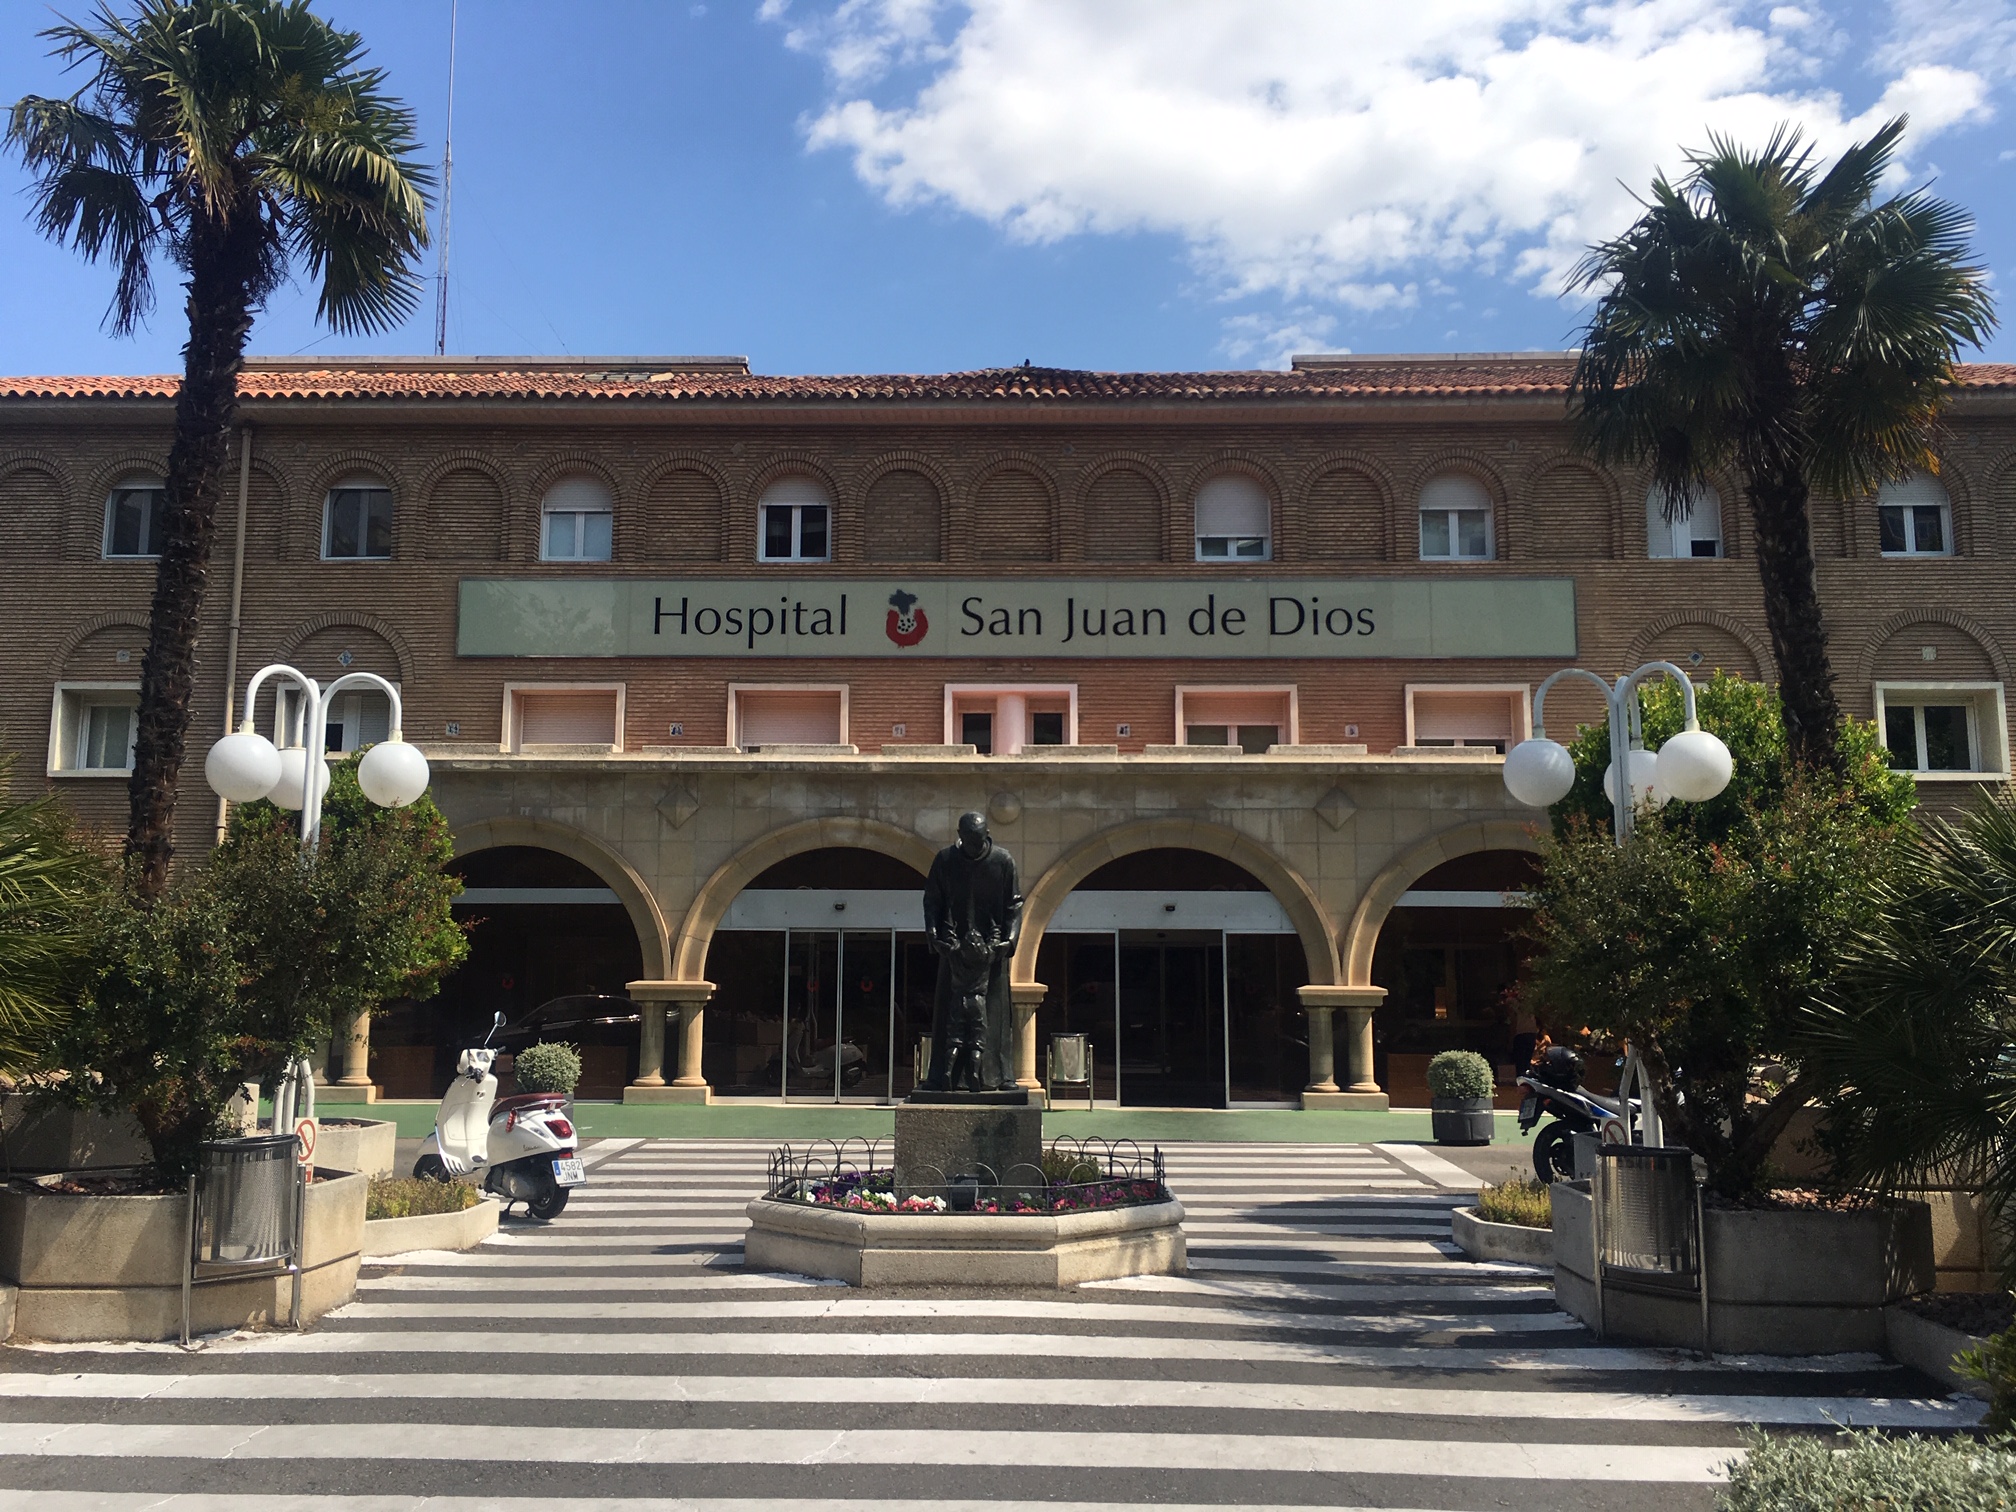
(246, 1194)
(1070, 1065)
(1648, 1212)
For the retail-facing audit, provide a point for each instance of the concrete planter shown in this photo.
(1463, 1120)
(366, 1145)
(902, 1249)
(52, 1138)
(1792, 1283)
(1930, 1347)
(432, 1231)
(111, 1267)
(1483, 1240)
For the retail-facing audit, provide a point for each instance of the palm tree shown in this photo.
(47, 880)
(1765, 314)
(239, 137)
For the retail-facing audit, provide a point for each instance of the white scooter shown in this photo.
(523, 1144)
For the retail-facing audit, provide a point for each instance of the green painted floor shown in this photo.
(770, 1121)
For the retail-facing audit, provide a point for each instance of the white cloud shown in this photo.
(1271, 340)
(1332, 150)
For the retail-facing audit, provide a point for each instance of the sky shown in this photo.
(861, 186)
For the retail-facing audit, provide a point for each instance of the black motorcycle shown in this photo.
(1554, 1090)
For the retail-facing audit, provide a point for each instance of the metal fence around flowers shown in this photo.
(855, 1174)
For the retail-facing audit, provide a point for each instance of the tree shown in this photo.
(239, 138)
(47, 882)
(1707, 938)
(1764, 314)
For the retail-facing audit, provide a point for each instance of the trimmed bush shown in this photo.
(1071, 1168)
(414, 1197)
(1459, 1073)
(1994, 1365)
(1523, 1201)
(1869, 1472)
(547, 1068)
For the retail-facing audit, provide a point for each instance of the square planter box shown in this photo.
(1788, 1282)
(365, 1145)
(432, 1231)
(111, 1267)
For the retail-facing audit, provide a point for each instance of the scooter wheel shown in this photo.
(430, 1168)
(548, 1204)
(1553, 1155)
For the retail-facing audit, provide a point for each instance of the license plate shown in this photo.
(1528, 1106)
(568, 1173)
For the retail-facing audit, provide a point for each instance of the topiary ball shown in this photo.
(547, 1068)
(1459, 1073)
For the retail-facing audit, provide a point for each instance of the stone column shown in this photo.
(1028, 998)
(353, 1049)
(1321, 1004)
(689, 1086)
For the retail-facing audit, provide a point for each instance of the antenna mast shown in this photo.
(447, 196)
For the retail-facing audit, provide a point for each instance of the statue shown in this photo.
(973, 916)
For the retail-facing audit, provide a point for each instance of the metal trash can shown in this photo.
(922, 1067)
(1648, 1210)
(245, 1200)
(1070, 1065)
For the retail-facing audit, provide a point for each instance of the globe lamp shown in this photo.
(1694, 766)
(243, 767)
(293, 763)
(1539, 772)
(1644, 767)
(392, 773)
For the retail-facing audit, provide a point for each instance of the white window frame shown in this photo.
(1067, 691)
(124, 485)
(1987, 724)
(1233, 559)
(509, 743)
(1518, 695)
(1945, 513)
(1291, 733)
(548, 512)
(363, 482)
(1489, 509)
(764, 504)
(287, 713)
(1655, 521)
(737, 689)
(69, 702)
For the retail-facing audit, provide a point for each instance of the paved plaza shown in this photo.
(1328, 1348)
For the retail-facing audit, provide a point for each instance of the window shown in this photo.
(1006, 720)
(1699, 534)
(774, 716)
(133, 518)
(358, 717)
(1455, 520)
(357, 522)
(92, 728)
(1914, 518)
(793, 520)
(563, 715)
(579, 515)
(1252, 719)
(1944, 729)
(1486, 716)
(1233, 521)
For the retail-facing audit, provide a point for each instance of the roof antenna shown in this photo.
(447, 194)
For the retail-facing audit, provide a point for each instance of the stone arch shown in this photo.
(1470, 464)
(1312, 539)
(34, 500)
(744, 532)
(86, 538)
(1088, 855)
(334, 617)
(113, 619)
(710, 904)
(1182, 514)
(896, 540)
(577, 845)
(1952, 619)
(1362, 934)
(1156, 531)
(335, 470)
(454, 520)
(1553, 533)
(1728, 624)
(681, 509)
(988, 536)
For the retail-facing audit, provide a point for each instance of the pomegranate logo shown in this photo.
(906, 623)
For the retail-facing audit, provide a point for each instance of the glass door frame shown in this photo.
(839, 1016)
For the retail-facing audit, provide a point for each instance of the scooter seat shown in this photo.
(524, 1102)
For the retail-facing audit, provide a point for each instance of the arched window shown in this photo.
(1455, 520)
(133, 517)
(1233, 521)
(357, 521)
(578, 521)
(1696, 534)
(1914, 518)
(794, 522)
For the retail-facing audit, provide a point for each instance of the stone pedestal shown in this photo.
(947, 1134)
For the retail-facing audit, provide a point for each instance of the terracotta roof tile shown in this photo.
(724, 382)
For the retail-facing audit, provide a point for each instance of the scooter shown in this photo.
(523, 1145)
(1554, 1090)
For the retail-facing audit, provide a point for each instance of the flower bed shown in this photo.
(875, 1192)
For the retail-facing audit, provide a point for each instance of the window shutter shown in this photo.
(787, 717)
(570, 718)
(1232, 506)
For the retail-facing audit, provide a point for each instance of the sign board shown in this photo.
(1413, 618)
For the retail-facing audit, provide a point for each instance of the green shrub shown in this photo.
(1869, 1472)
(547, 1068)
(1071, 1167)
(1522, 1200)
(413, 1197)
(1459, 1073)
(1994, 1365)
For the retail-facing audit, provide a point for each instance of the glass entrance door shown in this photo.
(1172, 1019)
(839, 1015)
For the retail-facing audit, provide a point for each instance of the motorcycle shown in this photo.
(1554, 1090)
(523, 1144)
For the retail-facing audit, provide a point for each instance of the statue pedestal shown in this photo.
(943, 1135)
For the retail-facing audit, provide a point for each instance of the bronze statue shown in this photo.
(973, 915)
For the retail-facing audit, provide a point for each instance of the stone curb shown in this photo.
(1929, 1347)
(432, 1231)
(1483, 1240)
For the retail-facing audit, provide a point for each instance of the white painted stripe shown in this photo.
(546, 1238)
(1426, 1163)
(148, 1501)
(488, 1281)
(693, 1263)
(1333, 1230)
(602, 1149)
(1327, 1246)
(1495, 1459)
(1298, 1291)
(637, 1224)
(1365, 1267)
(907, 1390)
(1089, 1314)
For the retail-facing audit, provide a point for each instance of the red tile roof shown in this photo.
(727, 381)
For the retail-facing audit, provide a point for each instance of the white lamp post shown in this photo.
(1693, 766)
(244, 766)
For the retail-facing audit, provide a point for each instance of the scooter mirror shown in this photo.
(498, 1022)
